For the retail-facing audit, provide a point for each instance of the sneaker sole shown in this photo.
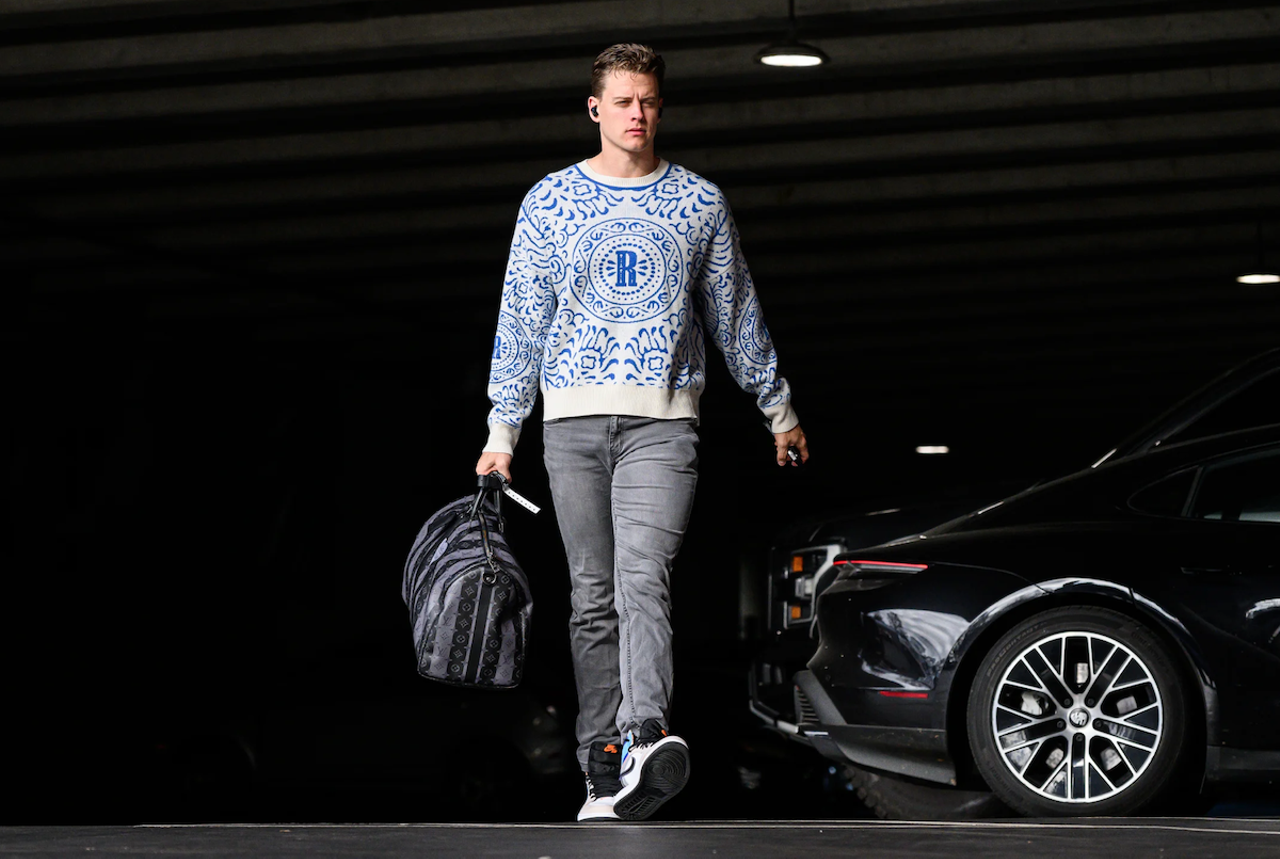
(662, 776)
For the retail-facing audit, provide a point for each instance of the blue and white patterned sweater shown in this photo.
(609, 287)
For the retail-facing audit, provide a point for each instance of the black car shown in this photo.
(1090, 646)
(801, 566)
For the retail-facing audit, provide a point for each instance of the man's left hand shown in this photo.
(793, 437)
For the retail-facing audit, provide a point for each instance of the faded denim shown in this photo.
(623, 489)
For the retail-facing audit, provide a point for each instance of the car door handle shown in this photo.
(1230, 570)
(1208, 571)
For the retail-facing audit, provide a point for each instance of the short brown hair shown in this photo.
(627, 57)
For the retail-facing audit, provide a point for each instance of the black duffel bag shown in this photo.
(468, 599)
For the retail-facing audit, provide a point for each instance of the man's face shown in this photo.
(628, 111)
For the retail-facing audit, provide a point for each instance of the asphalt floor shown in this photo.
(1169, 838)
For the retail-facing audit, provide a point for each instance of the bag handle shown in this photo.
(495, 482)
(489, 483)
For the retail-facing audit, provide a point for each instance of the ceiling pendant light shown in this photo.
(791, 52)
(1261, 274)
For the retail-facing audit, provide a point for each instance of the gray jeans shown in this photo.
(623, 489)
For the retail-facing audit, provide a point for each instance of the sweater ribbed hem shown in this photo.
(662, 403)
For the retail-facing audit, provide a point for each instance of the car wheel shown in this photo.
(891, 798)
(1078, 711)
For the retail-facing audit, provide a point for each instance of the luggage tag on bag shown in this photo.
(519, 499)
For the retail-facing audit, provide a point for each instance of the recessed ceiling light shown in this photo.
(933, 449)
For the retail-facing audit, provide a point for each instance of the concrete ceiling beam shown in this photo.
(369, 192)
(1102, 217)
(130, 9)
(1107, 215)
(516, 30)
(980, 256)
(484, 259)
(993, 143)
(123, 110)
(935, 189)
(786, 294)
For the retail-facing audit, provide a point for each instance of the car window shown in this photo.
(1167, 497)
(1255, 406)
(1240, 490)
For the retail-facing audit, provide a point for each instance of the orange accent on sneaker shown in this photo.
(664, 733)
(611, 749)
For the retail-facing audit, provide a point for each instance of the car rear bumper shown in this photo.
(919, 753)
(770, 686)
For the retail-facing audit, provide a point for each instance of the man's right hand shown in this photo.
(491, 462)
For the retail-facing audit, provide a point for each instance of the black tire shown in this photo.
(1101, 731)
(891, 798)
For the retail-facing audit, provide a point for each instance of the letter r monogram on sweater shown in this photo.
(627, 268)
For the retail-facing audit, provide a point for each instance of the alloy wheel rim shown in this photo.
(1077, 717)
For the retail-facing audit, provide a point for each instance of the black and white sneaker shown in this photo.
(603, 763)
(655, 767)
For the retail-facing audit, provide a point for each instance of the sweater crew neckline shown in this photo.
(620, 182)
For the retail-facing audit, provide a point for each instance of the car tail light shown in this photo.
(873, 574)
(881, 566)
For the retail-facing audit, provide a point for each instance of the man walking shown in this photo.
(619, 268)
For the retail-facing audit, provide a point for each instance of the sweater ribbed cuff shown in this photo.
(782, 417)
(502, 439)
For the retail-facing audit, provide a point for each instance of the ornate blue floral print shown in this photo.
(611, 289)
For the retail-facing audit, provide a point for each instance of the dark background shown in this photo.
(252, 253)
